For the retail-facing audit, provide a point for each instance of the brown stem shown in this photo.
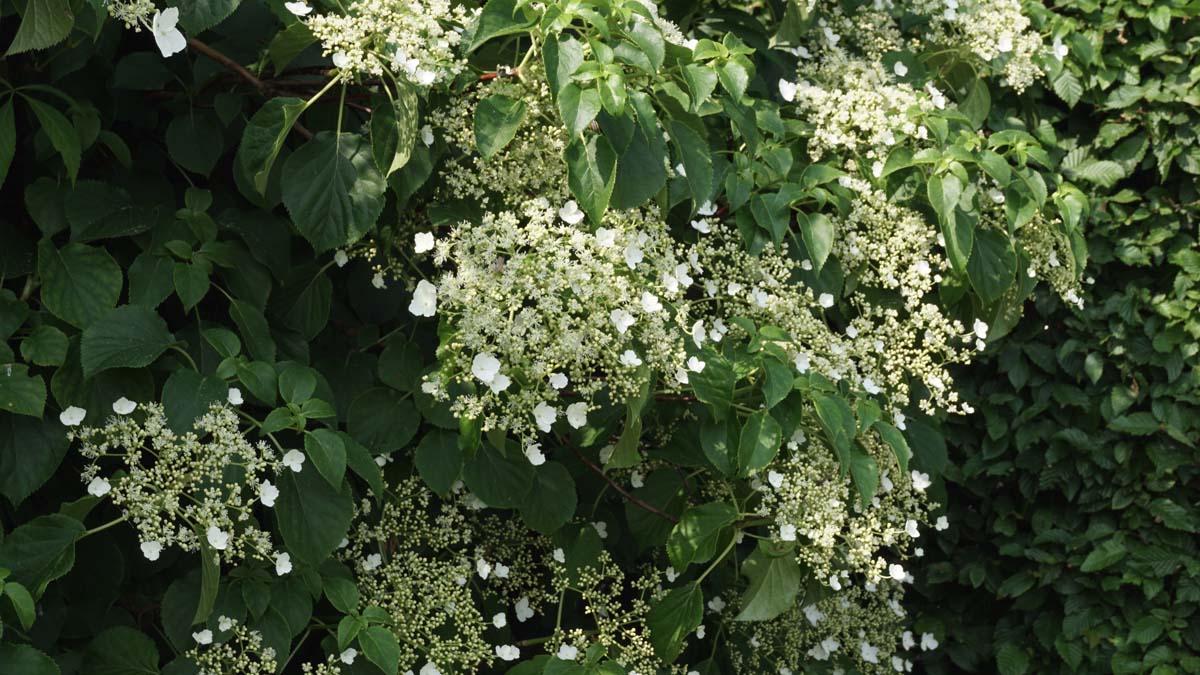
(243, 73)
(624, 493)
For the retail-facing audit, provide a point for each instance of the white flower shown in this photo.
(700, 631)
(601, 528)
(558, 380)
(633, 256)
(483, 568)
(72, 416)
(347, 657)
(631, 359)
(680, 170)
(508, 652)
(672, 574)
(267, 493)
(166, 35)
(427, 135)
(787, 532)
(606, 453)
(151, 550)
(533, 453)
(813, 614)
(707, 208)
(225, 623)
(340, 60)
(877, 169)
(826, 300)
(605, 237)
(834, 582)
(869, 654)
(203, 637)
(372, 562)
(831, 37)
(650, 303)
(981, 329)
(485, 367)
(234, 396)
(294, 460)
(899, 69)
(559, 556)
(577, 414)
(299, 9)
(570, 213)
(695, 365)
(123, 406)
(501, 570)
(787, 90)
(898, 420)
(803, 362)
(500, 383)
(636, 479)
(775, 479)
(1060, 49)
(716, 604)
(523, 612)
(378, 282)
(567, 652)
(698, 334)
(928, 642)
(544, 415)
(99, 487)
(430, 669)
(217, 538)
(1005, 43)
(500, 620)
(622, 319)
(910, 528)
(424, 301)
(920, 480)
(423, 241)
(702, 226)
(283, 564)
(340, 258)
(942, 523)
(869, 386)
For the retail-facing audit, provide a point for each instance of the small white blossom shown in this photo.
(577, 414)
(166, 35)
(900, 69)
(826, 300)
(372, 562)
(533, 453)
(558, 380)
(622, 319)
(427, 135)
(570, 213)
(508, 652)
(217, 538)
(123, 406)
(601, 528)
(567, 652)
(928, 642)
(716, 604)
(500, 620)
(234, 396)
(283, 564)
(787, 532)
(423, 241)
(544, 415)
(267, 493)
(485, 367)
(695, 365)
(99, 487)
(943, 523)
(340, 258)
(787, 90)
(348, 655)
(72, 416)
(294, 460)
(424, 301)
(298, 8)
(203, 637)
(151, 550)
(630, 358)
(911, 529)
(522, 610)
(650, 303)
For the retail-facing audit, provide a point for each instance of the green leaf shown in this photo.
(837, 419)
(342, 593)
(865, 472)
(674, 618)
(551, 501)
(1105, 555)
(774, 584)
(59, 130)
(210, 580)
(41, 551)
(381, 648)
(701, 82)
(313, 516)
(817, 232)
(439, 460)
(944, 192)
(44, 24)
(25, 660)
(254, 330)
(499, 18)
(196, 141)
(1012, 660)
(714, 385)
(696, 160)
(20, 392)
(992, 266)
(263, 138)
(332, 189)
(648, 39)
(30, 451)
(381, 419)
(895, 440)
(1146, 630)
(79, 283)
(191, 283)
(45, 346)
(500, 481)
(563, 55)
(497, 119)
(130, 336)
(8, 138)
(187, 395)
(977, 104)
(717, 447)
(1068, 87)
(578, 107)
(197, 16)
(394, 130)
(1137, 424)
(760, 439)
(591, 174)
(694, 537)
(288, 44)
(328, 454)
(22, 603)
(121, 651)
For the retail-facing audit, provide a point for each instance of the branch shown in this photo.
(243, 73)
(624, 493)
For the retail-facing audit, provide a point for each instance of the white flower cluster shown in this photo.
(997, 31)
(233, 648)
(416, 40)
(547, 315)
(179, 490)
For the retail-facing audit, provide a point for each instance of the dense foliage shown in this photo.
(1075, 502)
(597, 337)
